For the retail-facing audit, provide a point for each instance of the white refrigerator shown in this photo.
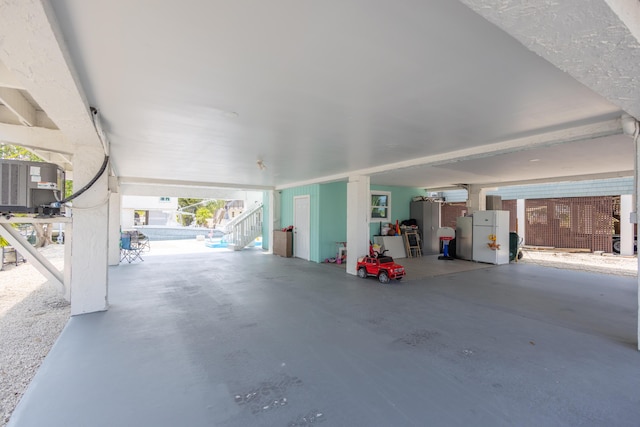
(491, 237)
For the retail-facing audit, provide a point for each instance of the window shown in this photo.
(380, 206)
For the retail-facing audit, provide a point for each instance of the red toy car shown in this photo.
(383, 267)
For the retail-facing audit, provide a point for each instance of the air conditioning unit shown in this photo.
(30, 187)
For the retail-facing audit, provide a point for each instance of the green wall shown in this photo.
(333, 218)
(400, 204)
(328, 213)
(286, 214)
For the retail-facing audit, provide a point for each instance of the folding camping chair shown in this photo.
(131, 247)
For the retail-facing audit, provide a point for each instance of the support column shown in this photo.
(90, 228)
(521, 219)
(358, 203)
(127, 216)
(273, 222)
(476, 198)
(626, 227)
(636, 204)
(114, 226)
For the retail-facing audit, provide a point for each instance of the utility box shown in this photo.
(30, 187)
(283, 243)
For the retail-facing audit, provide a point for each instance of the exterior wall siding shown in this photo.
(600, 187)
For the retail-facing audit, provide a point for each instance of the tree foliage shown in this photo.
(68, 188)
(202, 215)
(15, 152)
(199, 210)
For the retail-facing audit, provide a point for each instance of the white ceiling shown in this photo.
(198, 91)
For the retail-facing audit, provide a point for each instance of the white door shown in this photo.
(301, 227)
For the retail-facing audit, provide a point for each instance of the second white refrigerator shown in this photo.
(491, 237)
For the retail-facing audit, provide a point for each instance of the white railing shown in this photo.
(244, 228)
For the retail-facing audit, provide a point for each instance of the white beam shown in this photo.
(7, 79)
(18, 104)
(167, 183)
(35, 137)
(549, 139)
(7, 116)
(43, 120)
(41, 264)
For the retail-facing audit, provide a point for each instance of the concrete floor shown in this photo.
(249, 339)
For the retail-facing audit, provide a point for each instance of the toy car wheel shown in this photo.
(398, 278)
(383, 277)
(362, 272)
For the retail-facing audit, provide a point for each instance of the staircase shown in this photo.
(244, 228)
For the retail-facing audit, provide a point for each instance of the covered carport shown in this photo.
(202, 96)
(246, 338)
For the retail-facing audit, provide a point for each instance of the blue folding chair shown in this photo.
(129, 248)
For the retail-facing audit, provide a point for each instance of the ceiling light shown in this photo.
(534, 160)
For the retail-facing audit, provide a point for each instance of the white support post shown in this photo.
(68, 238)
(91, 224)
(114, 228)
(273, 221)
(127, 217)
(476, 198)
(626, 227)
(358, 203)
(521, 219)
(636, 194)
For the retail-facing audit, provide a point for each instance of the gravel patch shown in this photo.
(32, 315)
(33, 312)
(590, 262)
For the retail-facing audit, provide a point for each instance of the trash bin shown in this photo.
(514, 243)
